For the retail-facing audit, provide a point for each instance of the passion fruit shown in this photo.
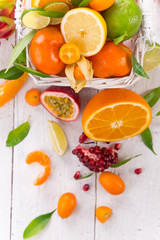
(62, 102)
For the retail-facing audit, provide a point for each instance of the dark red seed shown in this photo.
(117, 146)
(138, 171)
(91, 149)
(100, 155)
(108, 142)
(77, 175)
(75, 151)
(86, 187)
(83, 138)
(101, 169)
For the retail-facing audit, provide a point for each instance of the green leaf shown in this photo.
(52, 14)
(147, 139)
(22, 58)
(20, 47)
(119, 39)
(37, 225)
(12, 74)
(17, 135)
(119, 164)
(75, 3)
(84, 3)
(137, 68)
(152, 97)
(85, 176)
(158, 114)
(30, 70)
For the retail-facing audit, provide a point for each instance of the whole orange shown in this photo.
(101, 5)
(44, 50)
(32, 97)
(112, 61)
(66, 205)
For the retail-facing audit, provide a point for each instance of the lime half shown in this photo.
(56, 6)
(58, 138)
(31, 19)
(152, 59)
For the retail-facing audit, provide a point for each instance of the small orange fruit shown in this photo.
(32, 97)
(43, 160)
(112, 61)
(69, 53)
(101, 5)
(115, 114)
(66, 205)
(103, 213)
(78, 73)
(44, 50)
(112, 183)
(41, 3)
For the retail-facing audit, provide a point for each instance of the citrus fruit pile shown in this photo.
(80, 41)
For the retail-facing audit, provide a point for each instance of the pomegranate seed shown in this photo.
(91, 150)
(138, 171)
(83, 138)
(108, 142)
(86, 187)
(117, 146)
(77, 175)
(75, 151)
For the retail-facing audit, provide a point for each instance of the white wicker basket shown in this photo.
(137, 44)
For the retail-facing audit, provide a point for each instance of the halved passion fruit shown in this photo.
(62, 102)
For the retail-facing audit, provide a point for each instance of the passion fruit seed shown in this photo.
(63, 107)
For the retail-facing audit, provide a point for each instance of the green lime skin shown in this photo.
(123, 17)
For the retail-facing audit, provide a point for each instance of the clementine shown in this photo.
(44, 50)
(101, 5)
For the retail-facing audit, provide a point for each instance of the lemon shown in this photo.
(85, 28)
(56, 6)
(152, 59)
(58, 138)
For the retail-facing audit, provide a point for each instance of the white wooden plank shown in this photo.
(6, 125)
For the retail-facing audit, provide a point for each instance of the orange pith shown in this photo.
(103, 213)
(115, 114)
(69, 53)
(44, 161)
(78, 73)
(100, 5)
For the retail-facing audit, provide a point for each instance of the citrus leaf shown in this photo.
(147, 139)
(119, 39)
(22, 58)
(85, 176)
(12, 74)
(52, 14)
(17, 135)
(119, 164)
(158, 114)
(84, 3)
(37, 225)
(152, 97)
(30, 70)
(137, 68)
(20, 47)
(75, 3)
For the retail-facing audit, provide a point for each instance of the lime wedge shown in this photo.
(56, 6)
(152, 59)
(58, 138)
(31, 19)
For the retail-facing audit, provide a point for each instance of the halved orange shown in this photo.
(116, 114)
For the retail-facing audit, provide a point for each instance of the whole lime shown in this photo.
(123, 18)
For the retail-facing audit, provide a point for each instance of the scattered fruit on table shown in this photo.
(86, 187)
(62, 102)
(115, 114)
(101, 5)
(95, 158)
(7, 25)
(42, 3)
(117, 146)
(151, 58)
(138, 171)
(56, 6)
(66, 205)
(32, 97)
(112, 183)
(103, 213)
(112, 61)
(9, 89)
(78, 27)
(77, 175)
(44, 161)
(44, 50)
(58, 138)
(69, 53)
(83, 138)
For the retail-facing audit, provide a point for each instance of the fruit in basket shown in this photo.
(62, 102)
(103, 213)
(112, 61)
(56, 6)
(66, 205)
(115, 114)
(85, 28)
(9, 89)
(69, 53)
(44, 50)
(32, 97)
(112, 183)
(123, 19)
(42, 3)
(4, 4)
(78, 73)
(95, 158)
(7, 25)
(101, 5)
(152, 58)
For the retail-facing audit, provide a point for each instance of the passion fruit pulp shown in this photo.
(62, 102)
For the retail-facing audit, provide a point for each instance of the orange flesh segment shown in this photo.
(43, 176)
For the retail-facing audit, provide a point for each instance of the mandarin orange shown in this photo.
(101, 5)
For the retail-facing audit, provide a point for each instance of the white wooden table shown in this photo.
(136, 213)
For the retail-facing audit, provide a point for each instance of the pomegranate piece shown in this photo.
(77, 175)
(7, 25)
(95, 158)
(138, 171)
(83, 138)
(117, 146)
(86, 187)
(62, 102)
